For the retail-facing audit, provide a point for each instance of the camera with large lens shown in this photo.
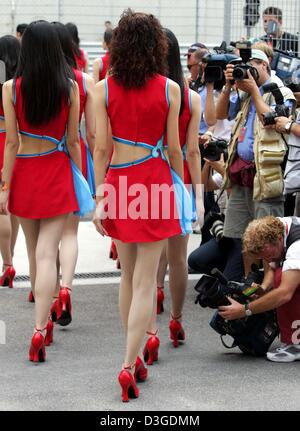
(216, 63)
(253, 335)
(214, 223)
(280, 109)
(214, 149)
(240, 71)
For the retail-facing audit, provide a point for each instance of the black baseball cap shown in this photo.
(195, 47)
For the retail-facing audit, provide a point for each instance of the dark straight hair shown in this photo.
(9, 54)
(174, 64)
(45, 73)
(73, 30)
(65, 43)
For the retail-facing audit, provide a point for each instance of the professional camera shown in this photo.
(240, 71)
(280, 109)
(214, 290)
(253, 335)
(216, 64)
(214, 149)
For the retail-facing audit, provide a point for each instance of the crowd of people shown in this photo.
(139, 170)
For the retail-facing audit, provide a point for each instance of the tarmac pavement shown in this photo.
(83, 362)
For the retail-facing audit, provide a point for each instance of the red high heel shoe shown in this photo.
(55, 310)
(176, 331)
(128, 384)
(8, 276)
(37, 351)
(49, 333)
(64, 307)
(141, 372)
(160, 300)
(150, 351)
(31, 297)
(113, 253)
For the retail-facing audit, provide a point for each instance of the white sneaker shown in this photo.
(286, 353)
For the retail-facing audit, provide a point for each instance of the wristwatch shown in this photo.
(248, 312)
(288, 127)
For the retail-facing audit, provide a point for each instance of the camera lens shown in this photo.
(239, 73)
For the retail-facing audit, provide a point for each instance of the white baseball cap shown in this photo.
(257, 54)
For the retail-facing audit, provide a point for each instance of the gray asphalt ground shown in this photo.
(85, 358)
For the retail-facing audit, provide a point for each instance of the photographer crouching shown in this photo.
(253, 170)
(277, 242)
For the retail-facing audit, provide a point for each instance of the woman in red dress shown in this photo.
(101, 64)
(41, 105)
(81, 57)
(141, 105)
(68, 252)
(189, 119)
(9, 225)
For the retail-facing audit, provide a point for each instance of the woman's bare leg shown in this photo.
(143, 287)
(178, 272)
(68, 253)
(50, 235)
(127, 256)
(5, 240)
(31, 230)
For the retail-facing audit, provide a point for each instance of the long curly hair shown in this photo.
(138, 50)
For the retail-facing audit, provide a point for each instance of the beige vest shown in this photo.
(269, 151)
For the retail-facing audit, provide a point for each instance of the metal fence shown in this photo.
(192, 21)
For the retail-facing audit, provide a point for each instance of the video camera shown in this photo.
(253, 335)
(280, 109)
(214, 149)
(287, 68)
(216, 63)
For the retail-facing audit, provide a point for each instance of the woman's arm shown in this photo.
(210, 109)
(174, 150)
(12, 138)
(103, 145)
(96, 69)
(89, 113)
(73, 143)
(193, 153)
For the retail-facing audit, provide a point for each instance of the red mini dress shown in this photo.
(42, 184)
(105, 64)
(2, 140)
(138, 213)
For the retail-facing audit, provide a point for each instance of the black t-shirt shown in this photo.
(287, 42)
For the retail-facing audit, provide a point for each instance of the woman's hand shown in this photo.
(3, 202)
(98, 218)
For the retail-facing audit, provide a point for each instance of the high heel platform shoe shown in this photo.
(8, 276)
(31, 297)
(128, 384)
(176, 331)
(150, 351)
(160, 300)
(64, 307)
(141, 372)
(49, 333)
(37, 351)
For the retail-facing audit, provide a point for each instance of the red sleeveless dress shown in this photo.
(42, 184)
(80, 60)
(2, 140)
(105, 64)
(80, 79)
(136, 211)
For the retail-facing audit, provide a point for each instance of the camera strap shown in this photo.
(226, 345)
